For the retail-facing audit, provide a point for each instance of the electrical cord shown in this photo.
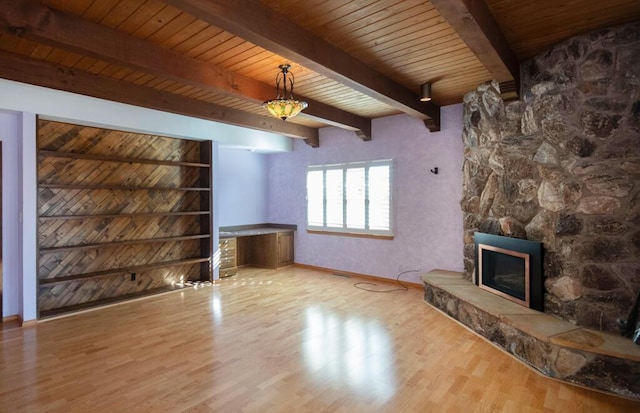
(360, 284)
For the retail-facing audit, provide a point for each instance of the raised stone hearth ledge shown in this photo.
(554, 347)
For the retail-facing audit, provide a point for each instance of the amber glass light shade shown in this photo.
(284, 106)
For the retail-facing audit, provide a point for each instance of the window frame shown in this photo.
(344, 230)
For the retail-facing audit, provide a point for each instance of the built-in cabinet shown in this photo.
(228, 259)
(265, 247)
(119, 215)
(285, 248)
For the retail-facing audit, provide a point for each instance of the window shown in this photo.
(350, 197)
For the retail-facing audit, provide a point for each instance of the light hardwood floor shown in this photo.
(294, 340)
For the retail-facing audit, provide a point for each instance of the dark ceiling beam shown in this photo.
(474, 23)
(263, 26)
(333, 116)
(31, 20)
(40, 73)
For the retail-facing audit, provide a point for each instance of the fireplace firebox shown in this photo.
(511, 268)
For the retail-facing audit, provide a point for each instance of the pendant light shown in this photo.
(284, 106)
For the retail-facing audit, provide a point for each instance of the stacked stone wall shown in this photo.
(562, 166)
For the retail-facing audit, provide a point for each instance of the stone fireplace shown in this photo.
(561, 166)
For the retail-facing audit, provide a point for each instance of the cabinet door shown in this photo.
(285, 248)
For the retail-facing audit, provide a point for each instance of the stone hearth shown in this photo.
(554, 347)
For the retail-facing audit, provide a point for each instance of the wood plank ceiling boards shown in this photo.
(353, 61)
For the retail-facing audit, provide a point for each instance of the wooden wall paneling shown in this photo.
(113, 256)
(120, 214)
(60, 232)
(63, 137)
(74, 295)
(77, 202)
(206, 202)
(91, 172)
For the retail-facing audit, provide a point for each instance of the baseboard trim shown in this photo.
(11, 318)
(17, 319)
(360, 276)
(28, 323)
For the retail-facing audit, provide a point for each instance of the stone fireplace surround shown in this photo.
(553, 347)
(561, 166)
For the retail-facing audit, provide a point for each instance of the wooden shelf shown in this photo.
(121, 243)
(89, 156)
(125, 270)
(123, 215)
(131, 172)
(110, 300)
(119, 187)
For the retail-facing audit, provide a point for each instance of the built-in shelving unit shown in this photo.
(120, 215)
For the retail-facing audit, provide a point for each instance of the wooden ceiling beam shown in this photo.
(475, 24)
(263, 26)
(31, 20)
(40, 73)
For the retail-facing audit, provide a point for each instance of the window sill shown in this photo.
(350, 234)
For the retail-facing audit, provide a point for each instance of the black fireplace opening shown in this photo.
(504, 272)
(511, 268)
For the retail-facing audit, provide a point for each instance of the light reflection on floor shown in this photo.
(216, 306)
(249, 281)
(353, 352)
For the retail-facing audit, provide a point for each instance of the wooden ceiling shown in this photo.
(353, 61)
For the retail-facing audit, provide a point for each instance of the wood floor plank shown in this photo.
(292, 340)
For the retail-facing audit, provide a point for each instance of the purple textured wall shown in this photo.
(427, 214)
(242, 187)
